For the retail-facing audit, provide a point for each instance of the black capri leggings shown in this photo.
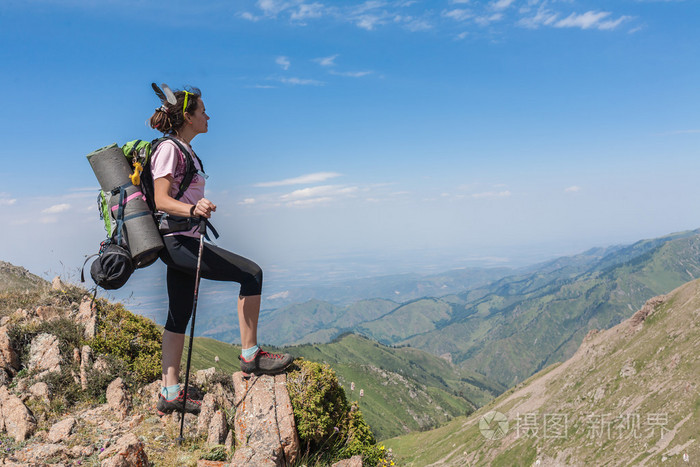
(180, 255)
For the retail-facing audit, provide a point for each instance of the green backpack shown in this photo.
(138, 153)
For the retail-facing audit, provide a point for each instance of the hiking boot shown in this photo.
(264, 363)
(191, 406)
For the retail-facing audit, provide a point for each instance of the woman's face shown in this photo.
(199, 118)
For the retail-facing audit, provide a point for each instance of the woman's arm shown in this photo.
(168, 204)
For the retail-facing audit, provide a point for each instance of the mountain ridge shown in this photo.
(642, 372)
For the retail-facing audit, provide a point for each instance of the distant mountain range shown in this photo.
(628, 396)
(510, 327)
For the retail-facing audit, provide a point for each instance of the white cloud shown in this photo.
(323, 191)
(351, 74)
(458, 14)
(273, 7)
(326, 61)
(416, 24)
(301, 82)
(301, 180)
(7, 201)
(311, 201)
(491, 194)
(283, 62)
(247, 201)
(56, 208)
(501, 4)
(572, 189)
(249, 16)
(368, 22)
(307, 10)
(486, 20)
(543, 17)
(590, 19)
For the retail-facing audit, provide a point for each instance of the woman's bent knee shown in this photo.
(253, 283)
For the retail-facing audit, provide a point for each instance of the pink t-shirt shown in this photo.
(168, 160)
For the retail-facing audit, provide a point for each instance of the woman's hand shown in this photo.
(204, 208)
(166, 203)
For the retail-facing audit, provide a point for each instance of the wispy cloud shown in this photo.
(317, 194)
(351, 74)
(283, 62)
(326, 61)
(301, 82)
(572, 189)
(501, 4)
(486, 20)
(56, 208)
(7, 200)
(458, 14)
(372, 14)
(247, 201)
(301, 180)
(307, 11)
(543, 17)
(491, 194)
(590, 20)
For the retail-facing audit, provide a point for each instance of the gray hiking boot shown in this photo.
(166, 406)
(264, 363)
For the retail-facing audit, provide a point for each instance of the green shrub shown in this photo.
(135, 340)
(217, 453)
(329, 427)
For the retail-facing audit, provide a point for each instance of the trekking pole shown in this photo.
(202, 228)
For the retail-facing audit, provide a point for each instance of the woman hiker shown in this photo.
(183, 121)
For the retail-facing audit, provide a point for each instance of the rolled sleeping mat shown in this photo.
(112, 170)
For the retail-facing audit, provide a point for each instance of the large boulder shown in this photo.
(44, 354)
(62, 430)
(264, 423)
(15, 418)
(128, 451)
(118, 398)
(87, 316)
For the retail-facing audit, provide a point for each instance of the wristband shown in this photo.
(192, 210)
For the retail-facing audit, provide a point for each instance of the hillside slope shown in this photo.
(521, 324)
(404, 389)
(628, 396)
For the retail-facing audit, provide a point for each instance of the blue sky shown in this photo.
(417, 133)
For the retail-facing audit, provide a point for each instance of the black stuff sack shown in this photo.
(112, 268)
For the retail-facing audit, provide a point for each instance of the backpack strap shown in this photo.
(191, 168)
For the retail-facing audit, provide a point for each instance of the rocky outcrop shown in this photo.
(265, 434)
(56, 284)
(44, 354)
(354, 461)
(118, 398)
(15, 418)
(47, 313)
(62, 430)
(218, 429)
(126, 452)
(87, 316)
(9, 362)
